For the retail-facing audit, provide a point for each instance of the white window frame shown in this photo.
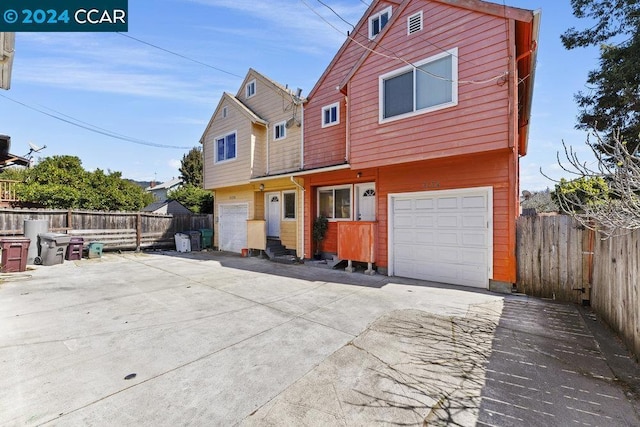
(417, 14)
(295, 205)
(283, 134)
(326, 108)
(454, 86)
(333, 188)
(387, 10)
(250, 89)
(215, 147)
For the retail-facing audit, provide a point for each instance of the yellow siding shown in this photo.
(276, 106)
(235, 171)
(288, 234)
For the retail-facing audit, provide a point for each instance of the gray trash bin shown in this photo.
(53, 247)
(194, 237)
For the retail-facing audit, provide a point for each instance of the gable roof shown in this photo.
(238, 105)
(252, 73)
(172, 207)
(166, 185)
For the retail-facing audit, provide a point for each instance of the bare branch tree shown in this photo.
(616, 209)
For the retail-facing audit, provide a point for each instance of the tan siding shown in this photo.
(235, 171)
(288, 234)
(275, 106)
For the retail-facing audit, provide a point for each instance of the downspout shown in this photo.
(268, 144)
(302, 206)
(301, 136)
(348, 128)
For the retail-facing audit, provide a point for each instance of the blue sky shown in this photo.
(132, 89)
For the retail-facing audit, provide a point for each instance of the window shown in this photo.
(335, 202)
(226, 147)
(378, 21)
(289, 203)
(280, 131)
(414, 23)
(331, 115)
(431, 85)
(250, 89)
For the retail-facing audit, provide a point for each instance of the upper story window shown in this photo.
(226, 147)
(430, 85)
(250, 89)
(378, 21)
(414, 23)
(280, 131)
(331, 115)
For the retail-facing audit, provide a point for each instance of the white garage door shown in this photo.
(442, 236)
(233, 227)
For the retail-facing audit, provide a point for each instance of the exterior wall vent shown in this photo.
(414, 23)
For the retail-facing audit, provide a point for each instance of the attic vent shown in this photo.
(225, 112)
(414, 23)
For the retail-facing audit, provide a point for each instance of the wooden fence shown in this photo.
(560, 259)
(117, 230)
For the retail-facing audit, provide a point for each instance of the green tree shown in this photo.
(613, 103)
(62, 182)
(191, 167)
(195, 198)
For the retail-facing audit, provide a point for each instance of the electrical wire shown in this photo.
(92, 128)
(396, 57)
(336, 13)
(178, 55)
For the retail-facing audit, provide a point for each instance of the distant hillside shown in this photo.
(143, 184)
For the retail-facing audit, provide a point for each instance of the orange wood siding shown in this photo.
(491, 169)
(327, 146)
(356, 241)
(480, 121)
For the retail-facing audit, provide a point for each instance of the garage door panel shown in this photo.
(447, 202)
(448, 238)
(474, 221)
(450, 244)
(425, 204)
(448, 221)
(403, 205)
(478, 239)
(470, 202)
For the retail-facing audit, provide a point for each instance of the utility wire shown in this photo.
(336, 13)
(179, 55)
(396, 57)
(93, 128)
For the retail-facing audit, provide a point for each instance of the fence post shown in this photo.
(69, 220)
(138, 231)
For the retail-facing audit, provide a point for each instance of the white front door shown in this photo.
(273, 214)
(366, 207)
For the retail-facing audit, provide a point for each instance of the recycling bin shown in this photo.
(15, 251)
(207, 238)
(94, 250)
(183, 242)
(194, 238)
(53, 247)
(74, 250)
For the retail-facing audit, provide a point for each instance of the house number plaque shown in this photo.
(432, 184)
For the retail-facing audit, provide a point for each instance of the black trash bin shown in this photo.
(194, 237)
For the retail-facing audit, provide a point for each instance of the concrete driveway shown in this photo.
(215, 339)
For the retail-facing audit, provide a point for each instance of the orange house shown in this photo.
(412, 140)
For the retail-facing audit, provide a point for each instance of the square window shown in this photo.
(280, 131)
(289, 203)
(331, 115)
(431, 85)
(250, 89)
(378, 21)
(226, 147)
(335, 202)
